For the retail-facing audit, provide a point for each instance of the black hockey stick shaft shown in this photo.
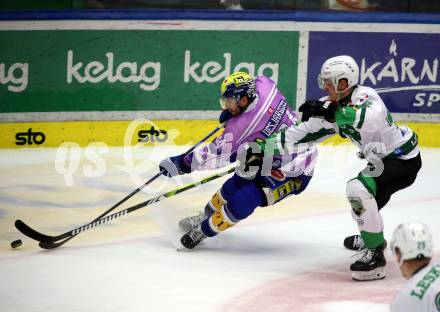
(30, 232)
(91, 225)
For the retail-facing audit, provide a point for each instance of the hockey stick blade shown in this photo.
(31, 233)
(51, 244)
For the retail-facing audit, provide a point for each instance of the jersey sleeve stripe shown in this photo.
(362, 118)
(283, 139)
(317, 135)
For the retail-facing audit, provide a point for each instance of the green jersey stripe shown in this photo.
(362, 118)
(405, 148)
(316, 135)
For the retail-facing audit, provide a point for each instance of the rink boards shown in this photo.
(146, 132)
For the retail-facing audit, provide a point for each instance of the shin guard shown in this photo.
(361, 193)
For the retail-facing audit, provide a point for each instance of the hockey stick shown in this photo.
(50, 244)
(30, 232)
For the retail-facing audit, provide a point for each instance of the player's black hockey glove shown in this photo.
(254, 158)
(315, 108)
(225, 116)
(173, 166)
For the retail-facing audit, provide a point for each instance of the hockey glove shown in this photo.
(225, 116)
(315, 108)
(173, 166)
(253, 159)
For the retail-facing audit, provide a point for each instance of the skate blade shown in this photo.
(376, 274)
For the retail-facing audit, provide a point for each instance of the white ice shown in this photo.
(288, 257)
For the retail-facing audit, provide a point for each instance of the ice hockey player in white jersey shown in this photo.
(412, 247)
(358, 113)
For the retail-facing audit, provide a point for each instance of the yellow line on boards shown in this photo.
(167, 132)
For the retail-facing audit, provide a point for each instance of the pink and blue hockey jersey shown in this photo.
(267, 114)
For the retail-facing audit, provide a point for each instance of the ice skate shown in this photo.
(355, 242)
(193, 237)
(189, 223)
(370, 266)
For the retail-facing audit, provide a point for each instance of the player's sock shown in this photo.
(215, 203)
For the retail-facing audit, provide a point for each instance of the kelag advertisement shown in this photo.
(402, 67)
(129, 70)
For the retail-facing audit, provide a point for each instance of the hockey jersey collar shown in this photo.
(252, 105)
(345, 101)
(419, 269)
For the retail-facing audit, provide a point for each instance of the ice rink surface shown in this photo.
(288, 257)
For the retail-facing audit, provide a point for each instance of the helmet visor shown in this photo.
(323, 82)
(226, 103)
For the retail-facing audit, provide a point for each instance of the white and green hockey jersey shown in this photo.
(361, 117)
(421, 293)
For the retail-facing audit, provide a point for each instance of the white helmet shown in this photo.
(413, 240)
(337, 68)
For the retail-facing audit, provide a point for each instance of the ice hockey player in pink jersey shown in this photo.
(256, 109)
